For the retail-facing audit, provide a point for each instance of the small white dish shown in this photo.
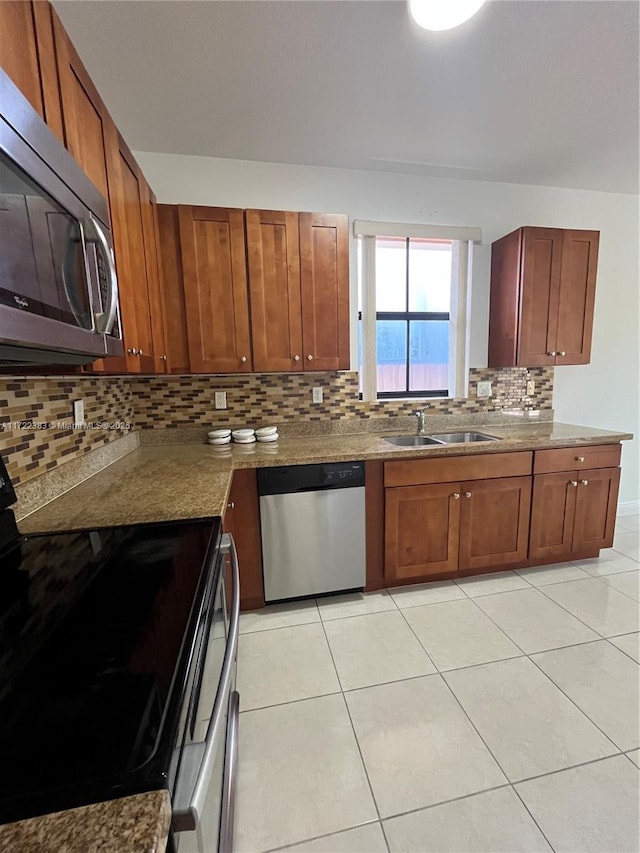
(263, 431)
(219, 433)
(265, 439)
(225, 440)
(240, 434)
(250, 440)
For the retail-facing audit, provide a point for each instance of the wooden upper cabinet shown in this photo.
(324, 279)
(215, 288)
(542, 297)
(87, 124)
(577, 296)
(273, 260)
(150, 230)
(27, 55)
(172, 285)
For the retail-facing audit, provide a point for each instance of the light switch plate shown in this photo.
(78, 412)
(316, 395)
(483, 389)
(220, 400)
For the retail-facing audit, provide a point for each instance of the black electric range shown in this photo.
(99, 630)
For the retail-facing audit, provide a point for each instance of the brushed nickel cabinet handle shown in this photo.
(140, 352)
(584, 482)
(579, 458)
(467, 494)
(309, 358)
(296, 358)
(552, 353)
(573, 483)
(243, 359)
(456, 496)
(133, 351)
(231, 505)
(562, 352)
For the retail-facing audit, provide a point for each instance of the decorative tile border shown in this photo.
(114, 406)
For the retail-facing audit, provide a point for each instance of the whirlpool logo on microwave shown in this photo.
(21, 302)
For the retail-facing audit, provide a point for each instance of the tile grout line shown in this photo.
(577, 617)
(355, 735)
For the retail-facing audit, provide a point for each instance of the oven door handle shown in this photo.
(186, 816)
(230, 775)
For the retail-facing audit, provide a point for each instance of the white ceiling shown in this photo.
(529, 91)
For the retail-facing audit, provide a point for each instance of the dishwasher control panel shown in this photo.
(304, 478)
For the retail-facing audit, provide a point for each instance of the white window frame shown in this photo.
(462, 239)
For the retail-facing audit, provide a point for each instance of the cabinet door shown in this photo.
(215, 289)
(596, 503)
(84, 114)
(324, 277)
(494, 522)
(156, 304)
(421, 530)
(540, 289)
(19, 50)
(242, 520)
(173, 289)
(128, 193)
(577, 296)
(552, 516)
(273, 257)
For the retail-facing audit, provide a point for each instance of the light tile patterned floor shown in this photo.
(494, 715)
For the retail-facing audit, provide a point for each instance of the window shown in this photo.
(412, 291)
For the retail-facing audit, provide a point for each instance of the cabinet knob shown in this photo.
(562, 352)
(140, 352)
(573, 483)
(309, 358)
(456, 496)
(552, 353)
(133, 351)
(579, 458)
(231, 505)
(584, 482)
(296, 358)
(163, 358)
(467, 494)
(243, 359)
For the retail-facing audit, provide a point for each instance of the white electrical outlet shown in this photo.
(483, 389)
(221, 400)
(78, 412)
(531, 387)
(316, 395)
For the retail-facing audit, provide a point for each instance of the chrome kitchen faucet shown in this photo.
(420, 415)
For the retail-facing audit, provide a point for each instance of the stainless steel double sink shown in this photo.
(439, 438)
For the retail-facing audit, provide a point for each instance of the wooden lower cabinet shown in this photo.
(450, 527)
(573, 512)
(242, 520)
(494, 522)
(422, 525)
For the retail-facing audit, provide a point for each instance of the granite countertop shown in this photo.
(164, 482)
(138, 824)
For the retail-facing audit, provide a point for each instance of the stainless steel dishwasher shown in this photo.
(313, 529)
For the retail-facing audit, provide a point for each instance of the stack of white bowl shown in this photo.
(244, 436)
(267, 434)
(220, 437)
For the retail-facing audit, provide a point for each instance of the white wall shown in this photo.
(604, 393)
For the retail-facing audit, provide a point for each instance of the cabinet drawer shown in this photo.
(576, 458)
(451, 469)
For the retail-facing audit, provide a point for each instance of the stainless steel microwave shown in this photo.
(58, 284)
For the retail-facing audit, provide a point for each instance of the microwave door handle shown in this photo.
(227, 817)
(106, 319)
(80, 242)
(186, 815)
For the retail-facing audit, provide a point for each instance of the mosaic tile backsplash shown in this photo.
(36, 414)
(36, 420)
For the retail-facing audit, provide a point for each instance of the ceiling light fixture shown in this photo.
(443, 14)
